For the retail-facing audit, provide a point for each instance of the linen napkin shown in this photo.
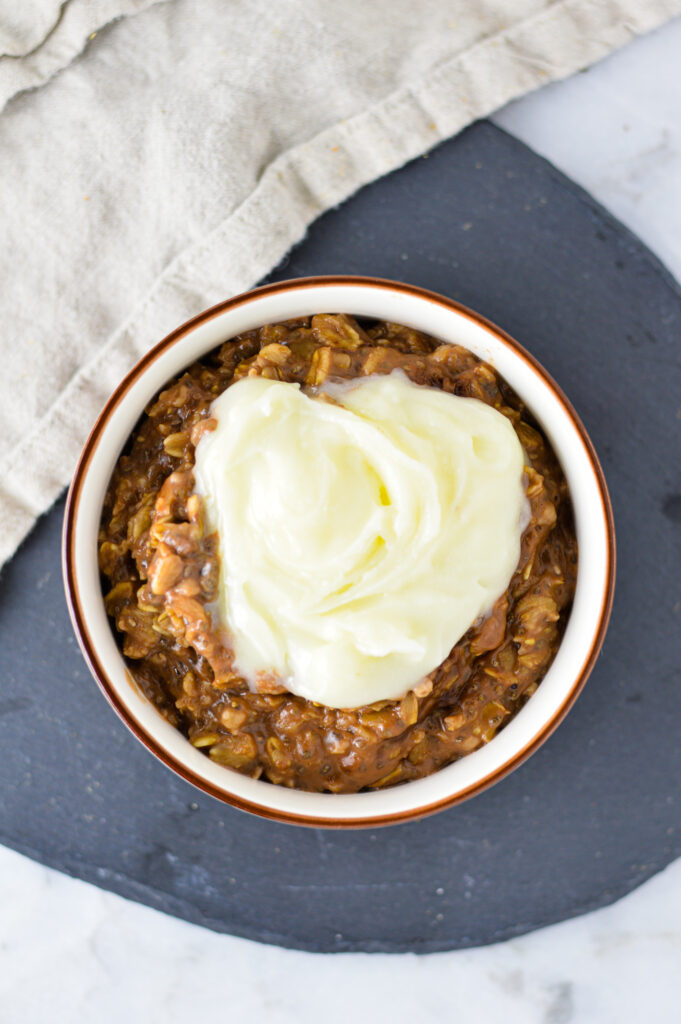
(38, 37)
(172, 159)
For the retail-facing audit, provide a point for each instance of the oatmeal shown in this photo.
(161, 564)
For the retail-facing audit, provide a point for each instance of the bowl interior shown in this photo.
(446, 321)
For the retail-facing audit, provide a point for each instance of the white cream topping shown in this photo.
(360, 540)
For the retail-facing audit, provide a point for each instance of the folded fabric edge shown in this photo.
(66, 40)
(548, 46)
(29, 45)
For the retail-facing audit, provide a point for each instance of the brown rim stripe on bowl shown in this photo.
(88, 647)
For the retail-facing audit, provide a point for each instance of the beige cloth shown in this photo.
(181, 154)
(39, 37)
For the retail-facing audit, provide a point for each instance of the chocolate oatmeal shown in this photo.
(160, 569)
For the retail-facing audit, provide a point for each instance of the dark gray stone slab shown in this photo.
(596, 810)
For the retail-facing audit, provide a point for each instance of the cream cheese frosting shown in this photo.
(361, 531)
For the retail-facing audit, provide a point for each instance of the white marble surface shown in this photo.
(69, 952)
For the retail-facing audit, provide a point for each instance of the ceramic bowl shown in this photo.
(446, 320)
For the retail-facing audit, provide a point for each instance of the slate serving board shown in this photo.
(596, 810)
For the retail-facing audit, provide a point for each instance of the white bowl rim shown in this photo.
(422, 309)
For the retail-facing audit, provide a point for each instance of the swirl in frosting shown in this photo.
(362, 530)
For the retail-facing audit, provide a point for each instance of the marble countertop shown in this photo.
(71, 952)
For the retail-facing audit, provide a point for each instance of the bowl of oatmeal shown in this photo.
(339, 552)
